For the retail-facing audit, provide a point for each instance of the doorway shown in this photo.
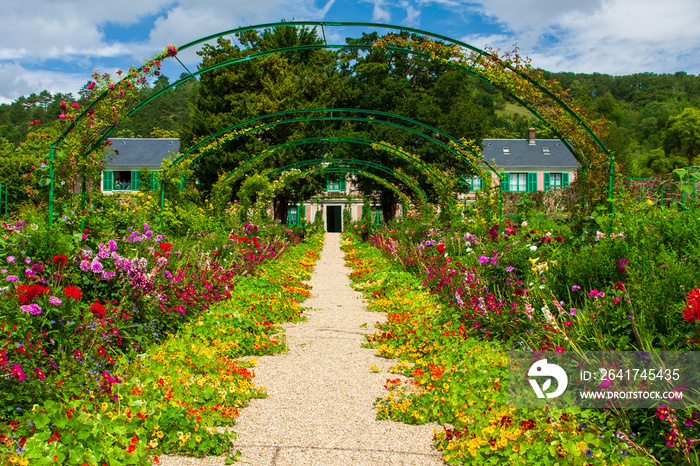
(334, 216)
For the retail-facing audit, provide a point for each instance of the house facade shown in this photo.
(527, 165)
(128, 156)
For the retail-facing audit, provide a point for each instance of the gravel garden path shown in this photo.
(319, 409)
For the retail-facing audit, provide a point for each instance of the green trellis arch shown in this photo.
(577, 119)
(334, 117)
(347, 168)
(342, 170)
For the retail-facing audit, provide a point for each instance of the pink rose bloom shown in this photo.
(75, 105)
(91, 85)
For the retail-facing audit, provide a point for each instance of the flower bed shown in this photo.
(461, 381)
(102, 393)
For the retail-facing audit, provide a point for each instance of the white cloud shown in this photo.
(412, 14)
(380, 12)
(15, 81)
(608, 36)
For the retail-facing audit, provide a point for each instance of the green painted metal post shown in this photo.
(611, 184)
(500, 198)
(82, 202)
(52, 151)
(162, 200)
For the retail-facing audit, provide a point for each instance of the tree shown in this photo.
(276, 82)
(682, 136)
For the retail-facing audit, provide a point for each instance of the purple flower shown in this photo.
(108, 274)
(510, 269)
(84, 266)
(33, 309)
(575, 287)
(112, 245)
(145, 226)
(96, 265)
(12, 278)
(148, 234)
(592, 293)
(27, 261)
(572, 312)
(55, 301)
(483, 260)
(11, 259)
(494, 260)
(622, 265)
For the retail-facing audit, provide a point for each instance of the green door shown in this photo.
(334, 219)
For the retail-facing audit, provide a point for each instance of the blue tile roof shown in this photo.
(544, 153)
(141, 153)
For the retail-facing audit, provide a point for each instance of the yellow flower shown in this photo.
(24, 462)
(159, 434)
(198, 438)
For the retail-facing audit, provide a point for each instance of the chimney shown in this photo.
(531, 136)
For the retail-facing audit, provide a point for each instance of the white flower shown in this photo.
(533, 248)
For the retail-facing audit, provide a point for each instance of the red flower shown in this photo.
(98, 310)
(28, 293)
(441, 248)
(619, 286)
(60, 260)
(691, 312)
(73, 292)
(165, 247)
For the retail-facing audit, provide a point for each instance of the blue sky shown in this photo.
(55, 45)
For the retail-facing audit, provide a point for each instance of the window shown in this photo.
(121, 180)
(506, 151)
(293, 215)
(556, 180)
(336, 184)
(475, 183)
(520, 182)
(545, 151)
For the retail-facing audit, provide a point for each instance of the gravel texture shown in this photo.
(319, 409)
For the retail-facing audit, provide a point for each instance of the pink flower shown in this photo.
(75, 105)
(64, 104)
(18, 372)
(91, 85)
(62, 116)
(111, 86)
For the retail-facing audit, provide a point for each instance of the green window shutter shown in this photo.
(183, 183)
(343, 186)
(328, 184)
(505, 180)
(564, 179)
(546, 181)
(154, 185)
(303, 211)
(531, 182)
(107, 180)
(135, 181)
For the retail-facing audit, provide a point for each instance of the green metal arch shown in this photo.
(378, 179)
(422, 32)
(340, 118)
(299, 142)
(407, 181)
(544, 90)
